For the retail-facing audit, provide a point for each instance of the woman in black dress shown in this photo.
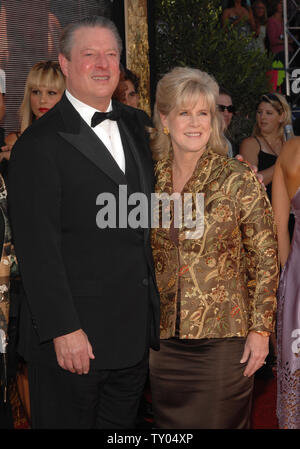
(263, 147)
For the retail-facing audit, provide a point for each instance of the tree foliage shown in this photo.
(189, 33)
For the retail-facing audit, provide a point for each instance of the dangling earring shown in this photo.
(166, 131)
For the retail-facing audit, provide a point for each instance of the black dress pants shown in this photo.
(101, 399)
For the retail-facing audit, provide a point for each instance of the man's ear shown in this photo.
(63, 62)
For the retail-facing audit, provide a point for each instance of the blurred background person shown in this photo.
(127, 91)
(44, 87)
(237, 13)
(215, 322)
(260, 18)
(275, 31)
(227, 110)
(286, 195)
(273, 113)
(131, 81)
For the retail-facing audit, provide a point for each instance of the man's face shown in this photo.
(92, 73)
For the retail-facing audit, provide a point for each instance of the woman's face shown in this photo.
(189, 127)
(279, 7)
(259, 10)
(268, 119)
(131, 96)
(43, 98)
(224, 101)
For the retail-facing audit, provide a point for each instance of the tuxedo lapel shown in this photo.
(134, 136)
(81, 136)
(132, 131)
(77, 133)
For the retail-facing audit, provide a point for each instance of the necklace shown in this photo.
(276, 144)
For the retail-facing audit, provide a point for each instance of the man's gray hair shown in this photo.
(66, 39)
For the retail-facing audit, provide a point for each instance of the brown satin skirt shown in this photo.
(199, 384)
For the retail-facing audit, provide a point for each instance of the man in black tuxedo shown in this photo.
(92, 306)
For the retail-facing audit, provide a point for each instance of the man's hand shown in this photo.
(255, 351)
(73, 352)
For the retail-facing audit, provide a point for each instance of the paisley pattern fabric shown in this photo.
(229, 274)
(7, 265)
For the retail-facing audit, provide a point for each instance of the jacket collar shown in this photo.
(208, 169)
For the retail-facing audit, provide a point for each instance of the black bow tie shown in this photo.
(99, 117)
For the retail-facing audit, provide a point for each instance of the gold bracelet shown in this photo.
(263, 333)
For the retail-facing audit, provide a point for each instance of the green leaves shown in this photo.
(189, 32)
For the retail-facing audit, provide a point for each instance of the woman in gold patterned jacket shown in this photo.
(218, 281)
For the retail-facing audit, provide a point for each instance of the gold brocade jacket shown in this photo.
(229, 275)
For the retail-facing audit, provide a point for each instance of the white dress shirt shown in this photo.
(107, 131)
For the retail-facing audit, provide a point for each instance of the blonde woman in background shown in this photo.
(44, 87)
(263, 147)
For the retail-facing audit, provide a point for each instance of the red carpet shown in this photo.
(264, 404)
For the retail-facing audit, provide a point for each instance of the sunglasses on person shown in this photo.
(230, 108)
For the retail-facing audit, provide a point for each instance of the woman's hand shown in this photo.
(5, 152)
(255, 352)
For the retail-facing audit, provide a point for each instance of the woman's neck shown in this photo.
(272, 136)
(183, 167)
(186, 162)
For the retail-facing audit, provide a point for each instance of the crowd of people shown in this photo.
(261, 19)
(100, 305)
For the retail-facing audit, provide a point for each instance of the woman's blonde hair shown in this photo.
(182, 87)
(43, 73)
(279, 103)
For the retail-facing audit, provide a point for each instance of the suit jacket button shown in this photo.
(145, 282)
